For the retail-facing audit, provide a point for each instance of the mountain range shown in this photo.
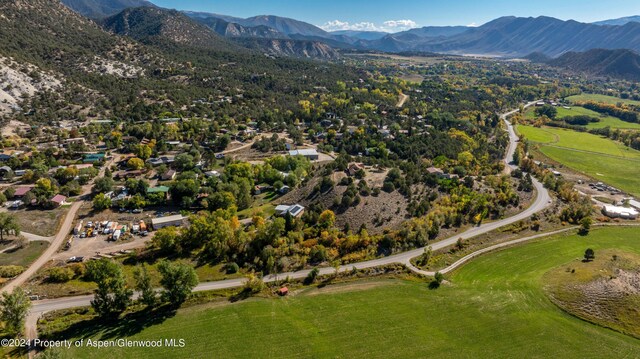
(149, 24)
(516, 36)
(570, 41)
(140, 62)
(361, 35)
(620, 21)
(619, 63)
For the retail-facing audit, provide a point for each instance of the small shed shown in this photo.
(171, 221)
(58, 200)
(283, 291)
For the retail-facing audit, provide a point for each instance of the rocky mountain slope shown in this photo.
(97, 9)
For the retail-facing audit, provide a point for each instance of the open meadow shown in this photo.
(601, 158)
(601, 98)
(495, 306)
(605, 120)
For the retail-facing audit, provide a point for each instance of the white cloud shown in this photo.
(473, 24)
(387, 26)
(400, 24)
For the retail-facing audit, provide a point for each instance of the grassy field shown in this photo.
(580, 141)
(23, 256)
(40, 222)
(602, 99)
(495, 307)
(606, 160)
(605, 121)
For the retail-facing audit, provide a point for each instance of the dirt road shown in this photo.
(403, 98)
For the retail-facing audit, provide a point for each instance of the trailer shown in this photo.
(143, 226)
(107, 228)
(78, 228)
(116, 235)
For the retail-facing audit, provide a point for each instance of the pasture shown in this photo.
(494, 307)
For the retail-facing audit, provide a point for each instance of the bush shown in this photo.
(388, 187)
(437, 281)
(79, 269)
(311, 277)
(231, 268)
(10, 271)
(60, 275)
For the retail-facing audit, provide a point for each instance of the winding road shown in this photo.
(542, 201)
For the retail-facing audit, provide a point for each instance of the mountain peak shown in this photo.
(148, 24)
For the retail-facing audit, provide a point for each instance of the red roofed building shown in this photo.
(58, 200)
(21, 191)
(283, 291)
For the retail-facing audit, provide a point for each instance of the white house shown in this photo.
(295, 210)
(311, 154)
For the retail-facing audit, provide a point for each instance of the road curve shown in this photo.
(541, 202)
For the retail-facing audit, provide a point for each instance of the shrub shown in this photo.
(79, 269)
(311, 277)
(231, 268)
(60, 275)
(10, 271)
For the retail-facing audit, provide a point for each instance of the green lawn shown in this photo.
(602, 99)
(601, 158)
(267, 209)
(495, 308)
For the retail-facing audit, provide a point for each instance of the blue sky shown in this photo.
(398, 15)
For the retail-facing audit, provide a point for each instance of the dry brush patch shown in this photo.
(605, 291)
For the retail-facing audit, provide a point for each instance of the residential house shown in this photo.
(210, 174)
(261, 189)
(93, 157)
(164, 160)
(21, 191)
(436, 171)
(354, 168)
(169, 175)
(160, 189)
(76, 141)
(128, 174)
(295, 210)
(311, 154)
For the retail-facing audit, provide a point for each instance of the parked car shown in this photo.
(137, 210)
(75, 259)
